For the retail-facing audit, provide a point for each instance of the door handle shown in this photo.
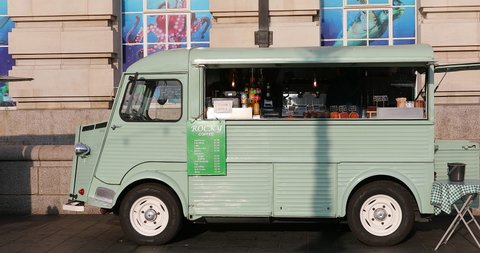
(115, 126)
(469, 147)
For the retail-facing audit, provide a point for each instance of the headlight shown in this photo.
(81, 149)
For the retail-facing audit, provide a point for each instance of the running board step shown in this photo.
(75, 206)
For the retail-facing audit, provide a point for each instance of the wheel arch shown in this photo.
(152, 177)
(369, 178)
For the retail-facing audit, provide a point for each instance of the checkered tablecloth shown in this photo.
(446, 193)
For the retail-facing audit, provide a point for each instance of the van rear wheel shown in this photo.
(150, 214)
(380, 213)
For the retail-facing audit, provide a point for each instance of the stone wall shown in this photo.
(293, 23)
(36, 152)
(35, 179)
(457, 122)
(45, 127)
(452, 27)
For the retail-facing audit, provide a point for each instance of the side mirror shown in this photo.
(163, 97)
(161, 101)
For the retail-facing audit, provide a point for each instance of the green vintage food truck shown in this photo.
(270, 133)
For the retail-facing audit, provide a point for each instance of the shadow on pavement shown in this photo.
(97, 233)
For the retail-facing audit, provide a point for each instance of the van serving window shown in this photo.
(315, 92)
(152, 100)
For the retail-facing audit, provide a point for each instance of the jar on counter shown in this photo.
(419, 103)
(401, 102)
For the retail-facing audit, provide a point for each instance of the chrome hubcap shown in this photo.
(380, 214)
(150, 215)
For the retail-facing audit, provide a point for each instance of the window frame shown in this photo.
(141, 48)
(346, 8)
(166, 44)
(126, 91)
(420, 83)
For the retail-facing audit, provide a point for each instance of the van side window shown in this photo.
(316, 92)
(152, 100)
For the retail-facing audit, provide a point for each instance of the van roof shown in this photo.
(174, 60)
(178, 59)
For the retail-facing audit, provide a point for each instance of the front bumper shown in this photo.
(75, 206)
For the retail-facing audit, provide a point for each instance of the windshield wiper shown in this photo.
(133, 81)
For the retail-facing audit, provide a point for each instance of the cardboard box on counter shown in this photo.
(237, 113)
(399, 113)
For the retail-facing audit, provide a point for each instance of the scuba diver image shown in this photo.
(368, 24)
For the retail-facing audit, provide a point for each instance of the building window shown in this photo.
(6, 62)
(150, 26)
(368, 22)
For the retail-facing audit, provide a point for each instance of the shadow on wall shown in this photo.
(16, 181)
(61, 139)
(35, 167)
(52, 210)
(34, 176)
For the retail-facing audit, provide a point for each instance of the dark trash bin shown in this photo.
(456, 172)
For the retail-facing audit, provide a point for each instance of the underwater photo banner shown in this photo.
(152, 26)
(6, 60)
(367, 22)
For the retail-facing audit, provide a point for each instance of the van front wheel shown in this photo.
(380, 213)
(150, 214)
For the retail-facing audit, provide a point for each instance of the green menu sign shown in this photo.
(206, 148)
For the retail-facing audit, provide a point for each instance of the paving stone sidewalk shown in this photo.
(98, 233)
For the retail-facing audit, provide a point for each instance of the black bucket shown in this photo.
(456, 172)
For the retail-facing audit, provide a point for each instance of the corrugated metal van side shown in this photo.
(149, 143)
(247, 190)
(327, 143)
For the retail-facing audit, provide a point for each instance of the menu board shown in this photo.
(206, 148)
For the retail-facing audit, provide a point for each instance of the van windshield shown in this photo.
(152, 100)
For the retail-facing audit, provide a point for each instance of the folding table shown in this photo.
(461, 196)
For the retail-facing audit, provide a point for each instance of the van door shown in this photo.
(147, 125)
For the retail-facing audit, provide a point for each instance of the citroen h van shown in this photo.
(269, 133)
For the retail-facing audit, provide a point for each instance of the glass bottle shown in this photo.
(256, 106)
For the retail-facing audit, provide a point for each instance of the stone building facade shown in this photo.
(76, 50)
(453, 30)
(71, 50)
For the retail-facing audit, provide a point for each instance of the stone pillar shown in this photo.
(71, 50)
(294, 23)
(452, 27)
